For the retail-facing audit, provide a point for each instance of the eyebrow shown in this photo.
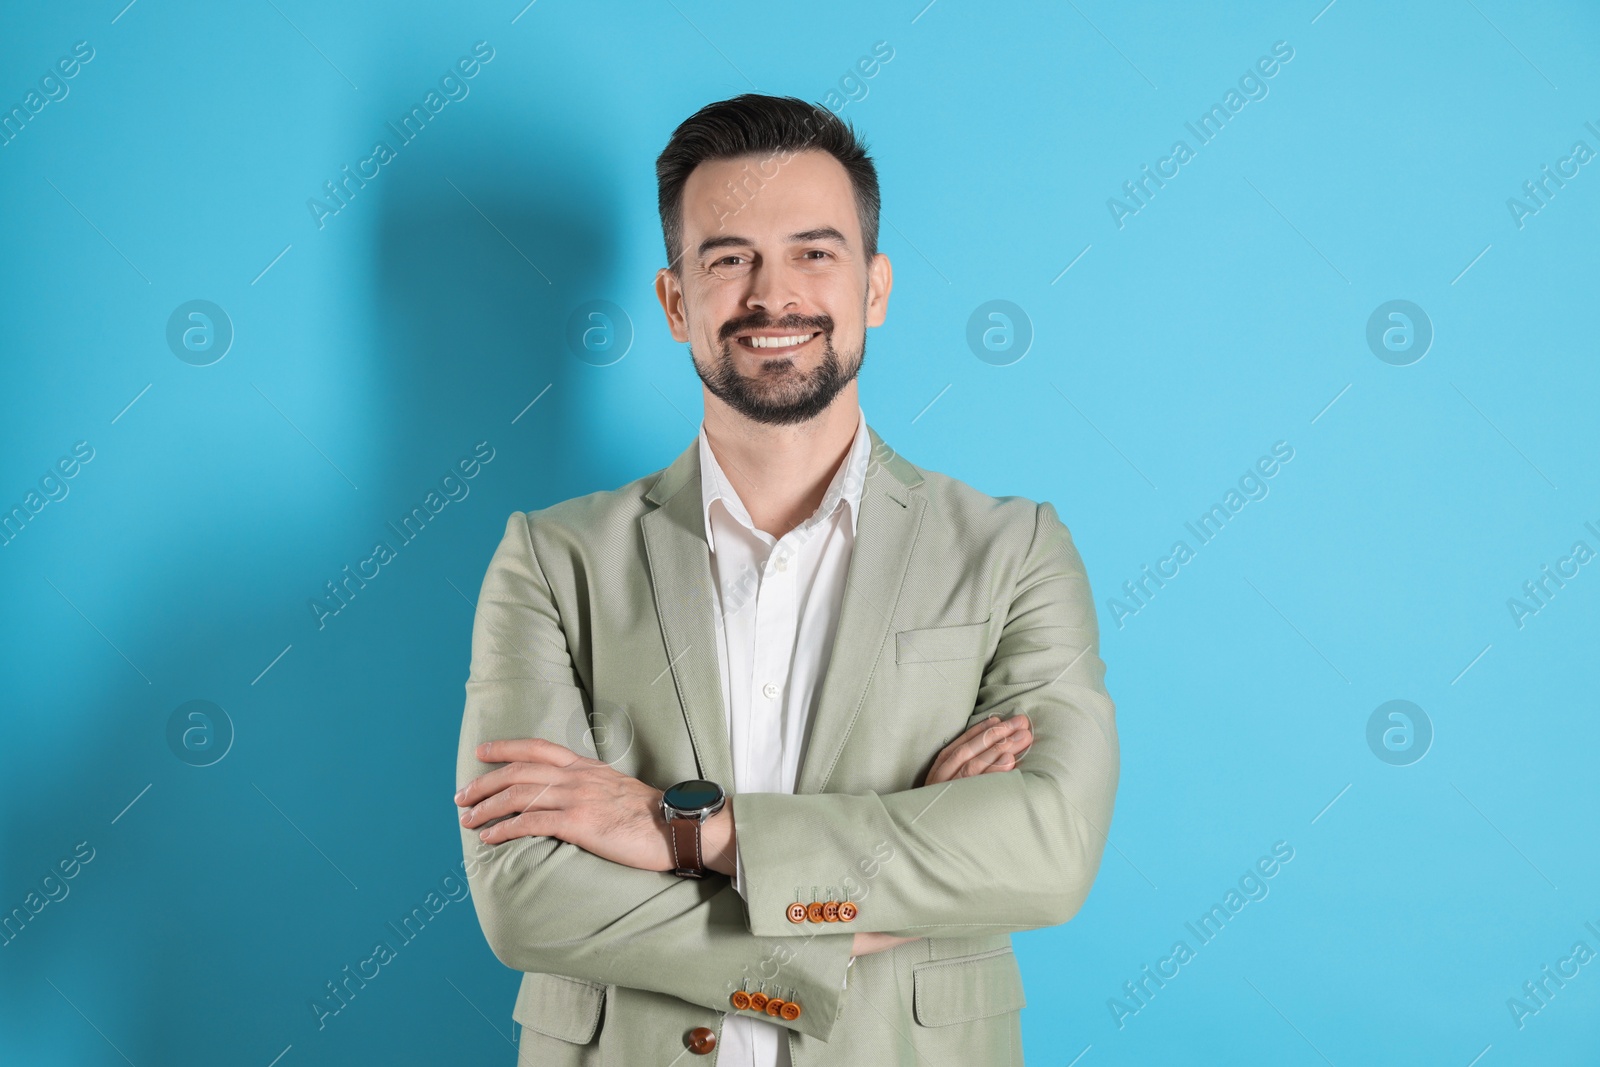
(821, 233)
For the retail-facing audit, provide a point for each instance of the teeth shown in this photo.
(778, 342)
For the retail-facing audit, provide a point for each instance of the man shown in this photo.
(765, 755)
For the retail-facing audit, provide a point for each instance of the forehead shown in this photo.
(764, 196)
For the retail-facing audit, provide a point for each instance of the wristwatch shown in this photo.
(686, 806)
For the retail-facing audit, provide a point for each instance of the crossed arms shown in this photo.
(571, 875)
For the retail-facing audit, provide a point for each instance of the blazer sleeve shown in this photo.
(550, 907)
(995, 853)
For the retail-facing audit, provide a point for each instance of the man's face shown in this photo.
(775, 291)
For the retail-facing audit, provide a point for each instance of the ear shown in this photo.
(669, 290)
(880, 279)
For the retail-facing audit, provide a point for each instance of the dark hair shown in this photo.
(753, 124)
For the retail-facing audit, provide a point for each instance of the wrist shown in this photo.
(687, 809)
(718, 840)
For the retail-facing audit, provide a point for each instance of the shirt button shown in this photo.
(769, 691)
(783, 563)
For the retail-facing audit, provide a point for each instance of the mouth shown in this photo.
(771, 343)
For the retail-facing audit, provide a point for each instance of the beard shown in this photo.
(780, 394)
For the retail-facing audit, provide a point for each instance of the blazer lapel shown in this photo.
(680, 574)
(886, 530)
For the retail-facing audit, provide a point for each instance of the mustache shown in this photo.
(762, 321)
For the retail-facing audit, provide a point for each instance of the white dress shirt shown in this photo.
(778, 603)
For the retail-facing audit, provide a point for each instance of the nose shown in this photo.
(773, 289)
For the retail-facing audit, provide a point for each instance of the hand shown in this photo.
(551, 791)
(992, 745)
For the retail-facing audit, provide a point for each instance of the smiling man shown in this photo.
(767, 754)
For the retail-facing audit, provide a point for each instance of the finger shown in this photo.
(1004, 753)
(997, 749)
(503, 777)
(989, 736)
(531, 824)
(515, 800)
(1013, 734)
(527, 750)
(983, 762)
(951, 762)
(952, 752)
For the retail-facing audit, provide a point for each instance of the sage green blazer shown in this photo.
(594, 629)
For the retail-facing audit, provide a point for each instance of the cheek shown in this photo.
(705, 309)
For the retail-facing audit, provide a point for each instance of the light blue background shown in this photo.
(1228, 314)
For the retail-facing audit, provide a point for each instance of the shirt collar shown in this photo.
(845, 488)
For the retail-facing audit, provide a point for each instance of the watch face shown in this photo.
(692, 796)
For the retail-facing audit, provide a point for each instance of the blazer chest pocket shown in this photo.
(559, 1007)
(967, 988)
(932, 644)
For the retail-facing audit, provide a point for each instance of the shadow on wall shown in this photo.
(483, 247)
(482, 258)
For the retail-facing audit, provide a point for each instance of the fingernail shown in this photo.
(484, 836)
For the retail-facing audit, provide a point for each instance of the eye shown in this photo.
(817, 252)
(725, 259)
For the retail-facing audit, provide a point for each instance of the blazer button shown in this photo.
(830, 911)
(775, 1007)
(796, 913)
(740, 1000)
(758, 1001)
(701, 1041)
(814, 911)
(847, 911)
(790, 1010)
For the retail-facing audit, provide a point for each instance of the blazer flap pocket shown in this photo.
(559, 1007)
(963, 989)
(933, 643)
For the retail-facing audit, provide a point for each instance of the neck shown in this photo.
(782, 472)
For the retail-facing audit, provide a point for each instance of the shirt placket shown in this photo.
(772, 657)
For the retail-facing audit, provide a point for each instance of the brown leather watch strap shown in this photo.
(686, 848)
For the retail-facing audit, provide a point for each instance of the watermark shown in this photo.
(199, 733)
(1399, 732)
(999, 332)
(1252, 485)
(451, 489)
(1137, 993)
(605, 734)
(1399, 332)
(199, 332)
(53, 888)
(870, 867)
(453, 87)
(1252, 85)
(53, 88)
(813, 915)
(1541, 190)
(599, 332)
(852, 85)
(1537, 993)
(386, 949)
(1538, 592)
(53, 487)
(740, 191)
(737, 193)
